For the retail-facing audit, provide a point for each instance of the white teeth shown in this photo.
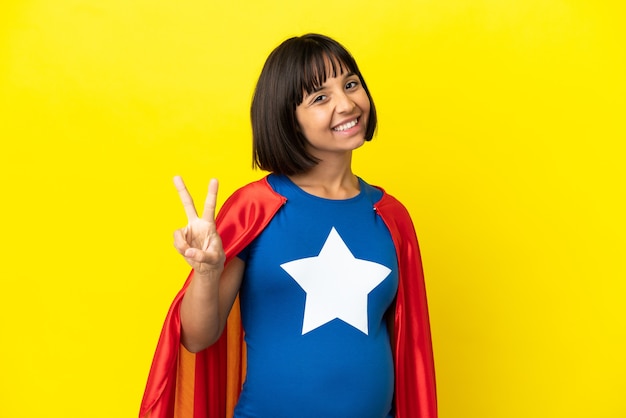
(345, 126)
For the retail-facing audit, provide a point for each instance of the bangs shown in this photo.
(318, 65)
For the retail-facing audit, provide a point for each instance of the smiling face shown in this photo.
(310, 98)
(333, 117)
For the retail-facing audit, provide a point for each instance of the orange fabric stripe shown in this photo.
(185, 384)
(234, 359)
(244, 360)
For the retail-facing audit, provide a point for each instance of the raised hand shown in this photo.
(199, 241)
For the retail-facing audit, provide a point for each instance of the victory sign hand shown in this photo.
(199, 241)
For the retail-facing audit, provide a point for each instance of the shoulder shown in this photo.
(384, 201)
(392, 210)
(259, 191)
(254, 198)
(245, 213)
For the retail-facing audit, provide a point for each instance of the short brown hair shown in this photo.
(297, 66)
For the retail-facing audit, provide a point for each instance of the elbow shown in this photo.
(194, 348)
(195, 345)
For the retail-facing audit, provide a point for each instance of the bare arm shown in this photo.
(213, 287)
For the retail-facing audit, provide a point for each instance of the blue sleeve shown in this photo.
(244, 254)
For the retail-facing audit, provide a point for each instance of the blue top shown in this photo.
(317, 284)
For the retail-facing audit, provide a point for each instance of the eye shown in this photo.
(319, 98)
(352, 84)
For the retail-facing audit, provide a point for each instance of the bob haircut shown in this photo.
(297, 66)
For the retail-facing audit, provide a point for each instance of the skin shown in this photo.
(214, 286)
(340, 100)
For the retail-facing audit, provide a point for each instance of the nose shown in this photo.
(344, 103)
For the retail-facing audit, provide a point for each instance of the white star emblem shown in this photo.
(336, 284)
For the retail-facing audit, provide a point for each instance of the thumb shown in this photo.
(199, 256)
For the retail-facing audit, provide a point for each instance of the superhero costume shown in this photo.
(207, 384)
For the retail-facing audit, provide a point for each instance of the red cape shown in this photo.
(207, 384)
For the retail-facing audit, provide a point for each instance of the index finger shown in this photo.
(211, 201)
(185, 197)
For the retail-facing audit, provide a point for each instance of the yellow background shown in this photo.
(501, 129)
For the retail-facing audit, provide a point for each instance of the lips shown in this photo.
(346, 125)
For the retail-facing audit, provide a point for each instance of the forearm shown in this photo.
(199, 312)
(207, 303)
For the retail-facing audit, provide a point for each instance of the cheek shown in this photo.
(365, 103)
(313, 121)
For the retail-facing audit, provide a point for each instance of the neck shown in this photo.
(330, 181)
